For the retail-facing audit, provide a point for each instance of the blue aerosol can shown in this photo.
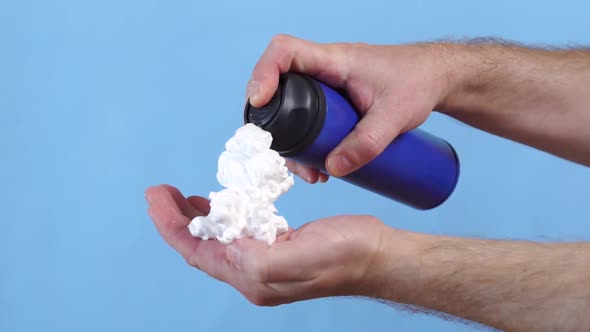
(307, 119)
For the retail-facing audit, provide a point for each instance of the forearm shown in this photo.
(517, 286)
(537, 97)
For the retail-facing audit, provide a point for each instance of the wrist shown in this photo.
(469, 71)
(395, 269)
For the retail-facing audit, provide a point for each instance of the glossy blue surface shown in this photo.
(417, 169)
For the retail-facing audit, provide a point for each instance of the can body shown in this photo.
(308, 119)
(416, 169)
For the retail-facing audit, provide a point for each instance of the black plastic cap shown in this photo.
(294, 116)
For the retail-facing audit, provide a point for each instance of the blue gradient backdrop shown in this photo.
(100, 99)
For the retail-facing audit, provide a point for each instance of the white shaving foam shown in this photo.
(254, 176)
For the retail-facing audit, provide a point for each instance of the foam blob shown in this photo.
(254, 177)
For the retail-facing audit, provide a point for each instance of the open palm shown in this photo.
(327, 257)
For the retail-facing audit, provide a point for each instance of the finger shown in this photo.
(326, 62)
(323, 177)
(306, 173)
(377, 128)
(201, 204)
(185, 207)
(210, 257)
(278, 270)
(285, 260)
(218, 260)
(289, 261)
(284, 236)
(249, 257)
(170, 222)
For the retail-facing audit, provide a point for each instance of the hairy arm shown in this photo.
(534, 96)
(511, 285)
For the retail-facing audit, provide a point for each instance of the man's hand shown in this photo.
(516, 286)
(533, 96)
(328, 257)
(394, 87)
(536, 97)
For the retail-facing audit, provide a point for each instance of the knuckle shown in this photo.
(262, 300)
(372, 220)
(280, 40)
(281, 51)
(258, 300)
(191, 261)
(342, 56)
(370, 142)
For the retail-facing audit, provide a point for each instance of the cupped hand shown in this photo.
(394, 87)
(327, 257)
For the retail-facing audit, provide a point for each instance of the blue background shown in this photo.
(101, 99)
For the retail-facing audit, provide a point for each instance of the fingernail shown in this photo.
(234, 255)
(305, 178)
(339, 165)
(253, 92)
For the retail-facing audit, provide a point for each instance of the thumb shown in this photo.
(365, 142)
(247, 254)
(283, 261)
(327, 62)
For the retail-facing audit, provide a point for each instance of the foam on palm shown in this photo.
(254, 177)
